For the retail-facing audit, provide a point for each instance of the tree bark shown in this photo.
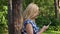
(56, 8)
(16, 12)
(14, 16)
(10, 23)
(59, 7)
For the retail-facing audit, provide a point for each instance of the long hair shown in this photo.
(30, 11)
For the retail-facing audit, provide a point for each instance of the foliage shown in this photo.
(47, 14)
(3, 16)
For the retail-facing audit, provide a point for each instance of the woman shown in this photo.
(30, 14)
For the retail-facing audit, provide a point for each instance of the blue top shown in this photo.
(35, 28)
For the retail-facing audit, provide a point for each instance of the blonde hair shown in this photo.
(30, 10)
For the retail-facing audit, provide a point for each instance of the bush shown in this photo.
(3, 19)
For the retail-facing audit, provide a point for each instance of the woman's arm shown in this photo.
(29, 29)
(43, 29)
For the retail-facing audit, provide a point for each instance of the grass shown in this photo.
(52, 32)
(47, 32)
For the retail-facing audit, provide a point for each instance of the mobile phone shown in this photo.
(49, 23)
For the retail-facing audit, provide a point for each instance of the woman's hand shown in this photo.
(45, 27)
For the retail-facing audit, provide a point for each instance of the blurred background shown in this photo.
(49, 12)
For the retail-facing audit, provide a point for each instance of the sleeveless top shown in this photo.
(35, 28)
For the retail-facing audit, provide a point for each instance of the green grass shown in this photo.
(52, 32)
(47, 32)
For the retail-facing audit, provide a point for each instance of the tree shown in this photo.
(15, 16)
(10, 23)
(59, 6)
(56, 8)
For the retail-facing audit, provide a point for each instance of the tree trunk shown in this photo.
(56, 8)
(14, 16)
(59, 7)
(10, 23)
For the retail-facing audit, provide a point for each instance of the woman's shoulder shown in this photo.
(27, 21)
